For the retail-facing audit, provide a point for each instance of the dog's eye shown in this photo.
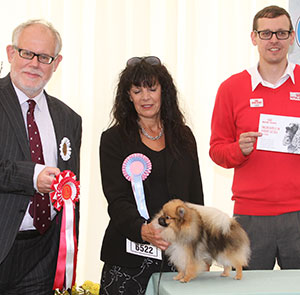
(168, 217)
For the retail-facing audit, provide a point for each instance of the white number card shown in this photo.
(280, 134)
(145, 250)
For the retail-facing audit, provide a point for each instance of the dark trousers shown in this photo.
(273, 238)
(30, 266)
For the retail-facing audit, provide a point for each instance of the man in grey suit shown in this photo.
(28, 256)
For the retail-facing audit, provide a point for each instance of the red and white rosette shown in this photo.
(65, 194)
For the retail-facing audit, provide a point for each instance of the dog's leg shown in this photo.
(239, 272)
(179, 276)
(190, 270)
(226, 271)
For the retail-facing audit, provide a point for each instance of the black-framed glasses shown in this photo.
(267, 34)
(42, 58)
(151, 60)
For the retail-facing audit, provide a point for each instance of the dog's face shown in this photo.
(178, 222)
(172, 214)
(170, 219)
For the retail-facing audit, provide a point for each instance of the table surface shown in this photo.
(253, 283)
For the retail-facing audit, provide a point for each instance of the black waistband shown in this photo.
(27, 234)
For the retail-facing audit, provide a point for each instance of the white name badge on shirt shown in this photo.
(145, 250)
(256, 102)
(279, 134)
(295, 96)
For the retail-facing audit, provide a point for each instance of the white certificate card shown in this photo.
(280, 134)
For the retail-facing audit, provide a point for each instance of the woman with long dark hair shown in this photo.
(147, 157)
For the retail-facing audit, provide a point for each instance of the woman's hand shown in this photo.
(152, 235)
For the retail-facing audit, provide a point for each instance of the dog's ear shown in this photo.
(180, 211)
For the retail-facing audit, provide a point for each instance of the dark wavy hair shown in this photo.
(177, 135)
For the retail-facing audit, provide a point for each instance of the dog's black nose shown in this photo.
(162, 221)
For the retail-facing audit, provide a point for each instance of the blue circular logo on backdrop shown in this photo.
(298, 31)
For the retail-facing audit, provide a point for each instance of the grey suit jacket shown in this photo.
(16, 167)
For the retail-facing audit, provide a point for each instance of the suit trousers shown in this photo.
(30, 266)
(273, 238)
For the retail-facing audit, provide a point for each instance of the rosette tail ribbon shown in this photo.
(138, 191)
(65, 194)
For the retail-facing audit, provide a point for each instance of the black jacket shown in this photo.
(183, 181)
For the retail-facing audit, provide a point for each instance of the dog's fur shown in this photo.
(199, 235)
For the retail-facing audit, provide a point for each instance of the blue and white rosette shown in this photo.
(136, 168)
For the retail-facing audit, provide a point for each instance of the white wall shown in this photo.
(201, 43)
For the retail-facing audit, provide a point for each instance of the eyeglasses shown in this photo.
(267, 34)
(151, 60)
(42, 58)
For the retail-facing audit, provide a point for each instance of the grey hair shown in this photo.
(19, 29)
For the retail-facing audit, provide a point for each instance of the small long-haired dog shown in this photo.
(199, 235)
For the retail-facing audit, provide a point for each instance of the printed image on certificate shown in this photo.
(280, 134)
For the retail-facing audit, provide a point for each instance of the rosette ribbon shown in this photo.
(136, 168)
(65, 194)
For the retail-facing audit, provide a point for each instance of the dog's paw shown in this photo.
(238, 277)
(187, 278)
(183, 280)
(224, 274)
(179, 276)
(226, 271)
(239, 273)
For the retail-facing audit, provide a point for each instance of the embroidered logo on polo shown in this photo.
(295, 96)
(256, 102)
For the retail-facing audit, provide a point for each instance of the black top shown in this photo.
(170, 178)
(157, 181)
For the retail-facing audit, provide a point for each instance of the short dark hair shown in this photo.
(125, 116)
(271, 12)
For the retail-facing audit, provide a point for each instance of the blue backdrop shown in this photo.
(294, 10)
